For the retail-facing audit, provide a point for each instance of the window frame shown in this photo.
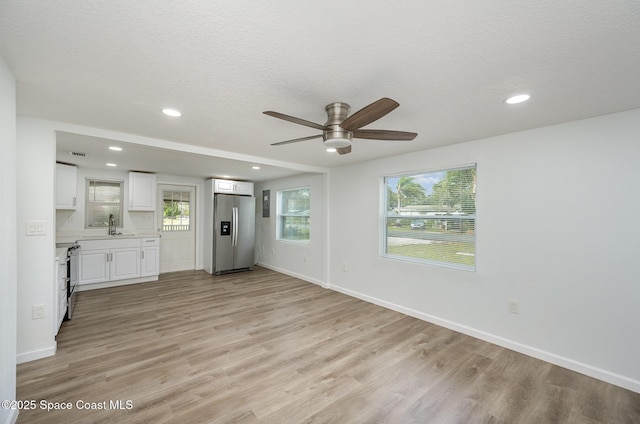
(280, 236)
(176, 228)
(386, 215)
(88, 204)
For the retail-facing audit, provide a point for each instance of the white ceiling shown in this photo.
(450, 64)
(145, 158)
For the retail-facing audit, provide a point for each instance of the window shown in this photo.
(294, 214)
(430, 217)
(175, 210)
(103, 198)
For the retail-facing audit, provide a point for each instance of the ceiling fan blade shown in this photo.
(368, 114)
(295, 140)
(385, 135)
(343, 150)
(295, 120)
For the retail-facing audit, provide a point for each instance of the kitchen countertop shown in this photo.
(118, 236)
(74, 239)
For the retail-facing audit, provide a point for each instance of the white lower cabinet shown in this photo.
(150, 257)
(124, 263)
(94, 265)
(122, 259)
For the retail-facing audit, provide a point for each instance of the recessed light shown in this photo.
(111, 164)
(255, 167)
(226, 176)
(332, 150)
(115, 148)
(171, 112)
(517, 99)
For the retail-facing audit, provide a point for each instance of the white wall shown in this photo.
(302, 260)
(36, 254)
(8, 256)
(557, 229)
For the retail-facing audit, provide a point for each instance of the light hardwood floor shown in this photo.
(262, 347)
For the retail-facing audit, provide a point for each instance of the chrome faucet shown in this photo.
(112, 225)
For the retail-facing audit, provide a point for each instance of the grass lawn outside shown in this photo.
(438, 251)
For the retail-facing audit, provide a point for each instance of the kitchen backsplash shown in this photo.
(70, 225)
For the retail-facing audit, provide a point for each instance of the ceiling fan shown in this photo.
(339, 129)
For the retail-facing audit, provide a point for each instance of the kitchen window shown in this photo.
(430, 217)
(294, 214)
(103, 198)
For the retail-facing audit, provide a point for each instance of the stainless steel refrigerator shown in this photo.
(233, 234)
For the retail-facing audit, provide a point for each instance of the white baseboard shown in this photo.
(36, 354)
(107, 284)
(591, 371)
(292, 274)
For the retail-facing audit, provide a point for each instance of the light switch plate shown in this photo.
(36, 228)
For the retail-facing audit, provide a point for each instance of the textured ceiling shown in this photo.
(450, 64)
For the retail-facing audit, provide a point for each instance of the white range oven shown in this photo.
(73, 250)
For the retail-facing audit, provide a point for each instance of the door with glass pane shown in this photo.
(177, 226)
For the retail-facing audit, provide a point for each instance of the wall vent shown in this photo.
(78, 154)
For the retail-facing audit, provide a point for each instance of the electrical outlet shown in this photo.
(38, 311)
(514, 306)
(344, 267)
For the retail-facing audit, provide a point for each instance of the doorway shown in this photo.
(177, 227)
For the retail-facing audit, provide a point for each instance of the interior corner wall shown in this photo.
(8, 256)
(36, 147)
(557, 229)
(302, 260)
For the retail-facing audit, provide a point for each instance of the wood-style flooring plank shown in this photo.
(262, 347)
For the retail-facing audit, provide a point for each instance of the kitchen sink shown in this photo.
(107, 236)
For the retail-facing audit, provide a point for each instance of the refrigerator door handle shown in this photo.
(234, 229)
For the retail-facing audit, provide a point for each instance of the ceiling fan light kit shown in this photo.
(337, 142)
(340, 129)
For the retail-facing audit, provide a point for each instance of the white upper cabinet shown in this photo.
(66, 186)
(142, 191)
(233, 187)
